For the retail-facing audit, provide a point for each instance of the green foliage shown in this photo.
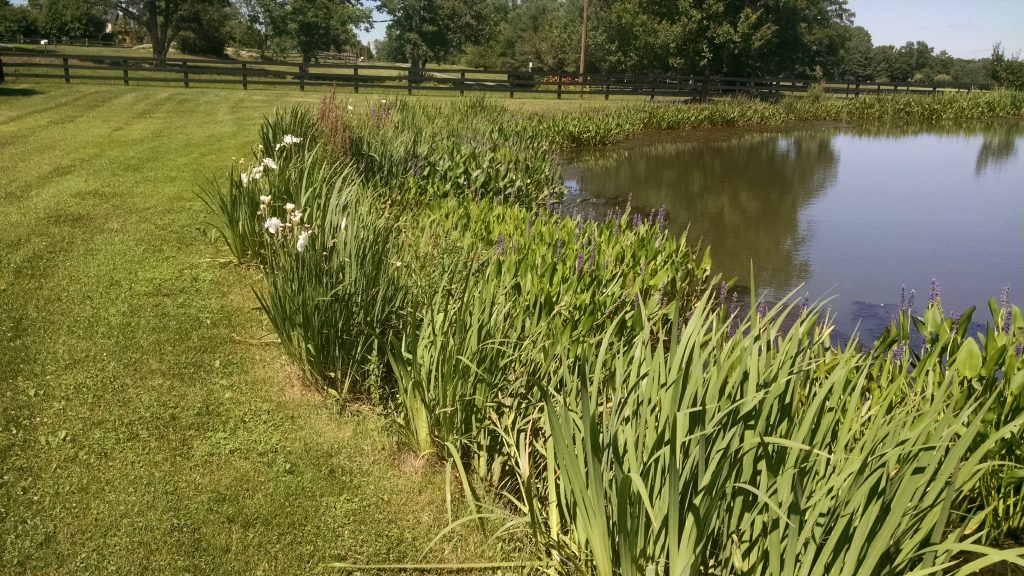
(205, 29)
(476, 147)
(1007, 72)
(434, 30)
(70, 19)
(163, 20)
(632, 418)
(590, 128)
(316, 25)
(17, 21)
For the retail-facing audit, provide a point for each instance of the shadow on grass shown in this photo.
(18, 91)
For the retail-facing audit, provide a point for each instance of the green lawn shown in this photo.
(146, 426)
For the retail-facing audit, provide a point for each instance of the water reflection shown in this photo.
(850, 212)
(998, 147)
(741, 194)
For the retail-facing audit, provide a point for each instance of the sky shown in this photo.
(964, 28)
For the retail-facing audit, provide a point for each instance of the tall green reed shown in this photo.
(632, 420)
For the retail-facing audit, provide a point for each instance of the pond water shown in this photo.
(854, 213)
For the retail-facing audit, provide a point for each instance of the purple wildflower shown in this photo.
(910, 301)
(615, 228)
(933, 294)
(579, 263)
(956, 325)
(722, 293)
(1019, 351)
(558, 249)
(903, 298)
(762, 309)
(643, 270)
(659, 298)
(897, 353)
(499, 245)
(661, 218)
(638, 221)
(805, 304)
(636, 300)
(1007, 311)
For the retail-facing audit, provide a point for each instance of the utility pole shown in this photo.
(583, 44)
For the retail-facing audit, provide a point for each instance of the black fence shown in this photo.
(130, 70)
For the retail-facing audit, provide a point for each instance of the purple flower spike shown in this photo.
(897, 354)
(661, 218)
(933, 293)
(805, 304)
(638, 221)
(1019, 351)
(722, 293)
(956, 325)
(579, 263)
(762, 309)
(499, 245)
(558, 249)
(1007, 311)
(659, 298)
(903, 298)
(910, 301)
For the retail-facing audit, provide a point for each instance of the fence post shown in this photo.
(511, 86)
(1, 69)
(245, 76)
(124, 70)
(559, 85)
(184, 72)
(355, 72)
(856, 91)
(653, 86)
(408, 85)
(302, 78)
(607, 85)
(462, 83)
(67, 71)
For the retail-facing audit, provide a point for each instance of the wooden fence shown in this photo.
(357, 76)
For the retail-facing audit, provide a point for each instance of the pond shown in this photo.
(849, 212)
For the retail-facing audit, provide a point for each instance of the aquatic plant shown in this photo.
(629, 416)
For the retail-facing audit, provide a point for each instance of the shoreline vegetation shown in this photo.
(591, 388)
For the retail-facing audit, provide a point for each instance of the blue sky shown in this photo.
(964, 28)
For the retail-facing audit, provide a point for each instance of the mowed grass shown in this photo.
(148, 423)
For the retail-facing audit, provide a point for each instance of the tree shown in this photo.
(162, 19)
(316, 25)
(434, 30)
(17, 21)
(1006, 72)
(205, 28)
(309, 26)
(857, 63)
(71, 19)
(765, 37)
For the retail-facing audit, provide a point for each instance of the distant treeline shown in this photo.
(808, 39)
(749, 38)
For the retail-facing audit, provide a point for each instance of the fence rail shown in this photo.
(358, 76)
